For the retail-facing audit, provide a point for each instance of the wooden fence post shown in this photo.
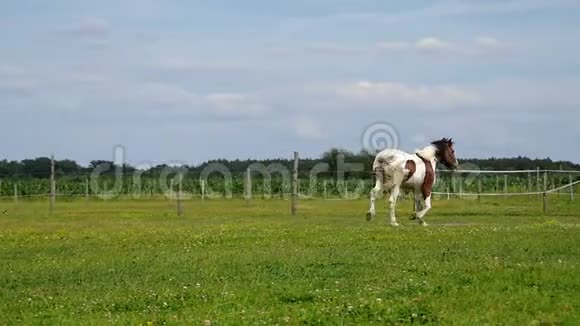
(538, 180)
(52, 185)
(479, 187)
(544, 203)
(529, 184)
(87, 191)
(324, 187)
(202, 183)
(505, 187)
(295, 184)
(460, 186)
(248, 185)
(179, 196)
(559, 181)
(571, 187)
(545, 194)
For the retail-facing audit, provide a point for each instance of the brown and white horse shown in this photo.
(394, 169)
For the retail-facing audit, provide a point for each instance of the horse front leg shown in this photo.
(393, 204)
(424, 211)
(418, 206)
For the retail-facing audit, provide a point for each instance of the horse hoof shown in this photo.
(370, 216)
(394, 224)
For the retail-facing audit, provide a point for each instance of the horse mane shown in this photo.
(430, 151)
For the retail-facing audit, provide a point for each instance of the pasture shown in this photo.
(228, 262)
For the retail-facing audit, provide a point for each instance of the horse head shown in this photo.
(445, 153)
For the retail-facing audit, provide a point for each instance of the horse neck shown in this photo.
(434, 163)
(428, 153)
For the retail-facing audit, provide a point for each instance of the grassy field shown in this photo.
(227, 262)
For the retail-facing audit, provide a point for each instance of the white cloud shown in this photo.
(443, 8)
(432, 44)
(394, 94)
(217, 104)
(489, 43)
(161, 94)
(235, 104)
(429, 44)
(308, 129)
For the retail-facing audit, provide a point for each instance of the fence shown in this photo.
(259, 181)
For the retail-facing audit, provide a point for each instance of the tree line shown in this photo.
(40, 167)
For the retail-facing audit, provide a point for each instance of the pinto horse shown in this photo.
(394, 169)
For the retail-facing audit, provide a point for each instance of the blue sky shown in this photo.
(190, 81)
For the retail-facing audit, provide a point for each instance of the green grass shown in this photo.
(227, 262)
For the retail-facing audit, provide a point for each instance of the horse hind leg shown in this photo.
(376, 191)
(395, 186)
(393, 205)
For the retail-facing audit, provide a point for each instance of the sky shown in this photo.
(188, 81)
